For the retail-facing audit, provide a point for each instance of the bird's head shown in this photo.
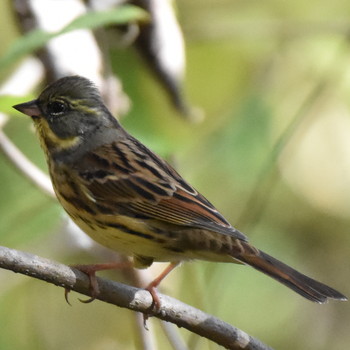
(67, 112)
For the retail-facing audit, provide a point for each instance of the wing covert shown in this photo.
(142, 185)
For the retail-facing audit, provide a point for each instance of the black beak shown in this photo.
(30, 108)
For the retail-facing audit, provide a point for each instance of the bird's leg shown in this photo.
(152, 287)
(91, 270)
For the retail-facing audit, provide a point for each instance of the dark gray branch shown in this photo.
(132, 298)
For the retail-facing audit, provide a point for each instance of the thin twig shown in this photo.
(172, 334)
(25, 166)
(132, 298)
(146, 339)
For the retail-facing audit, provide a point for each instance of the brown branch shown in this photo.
(132, 298)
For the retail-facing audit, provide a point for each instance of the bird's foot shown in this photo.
(90, 271)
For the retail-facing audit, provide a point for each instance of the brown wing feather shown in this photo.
(131, 180)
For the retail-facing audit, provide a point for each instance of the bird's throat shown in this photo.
(50, 142)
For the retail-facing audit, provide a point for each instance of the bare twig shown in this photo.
(146, 340)
(171, 333)
(22, 163)
(132, 298)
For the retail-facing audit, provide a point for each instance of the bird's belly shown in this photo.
(151, 239)
(128, 236)
(120, 233)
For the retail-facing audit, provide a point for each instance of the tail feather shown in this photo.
(303, 285)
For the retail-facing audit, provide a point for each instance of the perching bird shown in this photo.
(128, 199)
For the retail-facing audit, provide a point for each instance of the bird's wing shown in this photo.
(127, 178)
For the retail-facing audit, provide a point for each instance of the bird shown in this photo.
(130, 200)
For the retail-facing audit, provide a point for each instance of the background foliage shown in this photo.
(273, 154)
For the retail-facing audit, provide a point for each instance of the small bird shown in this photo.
(130, 200)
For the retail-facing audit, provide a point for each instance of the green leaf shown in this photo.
(120, 15)
(37, 38)
(25, 45)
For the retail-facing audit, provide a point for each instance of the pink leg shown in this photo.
(155, 283)
(91, 270)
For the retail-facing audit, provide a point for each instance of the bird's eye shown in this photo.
(56, 108)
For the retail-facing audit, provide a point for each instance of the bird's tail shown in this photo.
(303, 285)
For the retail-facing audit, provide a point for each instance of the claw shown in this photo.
(90, 271)
(145, 318)
(66, 293)
(155, 303)
(152, 288)
(87, 301)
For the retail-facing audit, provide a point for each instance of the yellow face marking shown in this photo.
(81, 106)
(49, 140)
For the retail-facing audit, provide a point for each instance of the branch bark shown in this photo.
(132, 298)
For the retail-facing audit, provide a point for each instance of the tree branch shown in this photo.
(132, 298)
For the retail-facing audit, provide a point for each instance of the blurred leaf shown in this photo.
(242, 141)
(26, 213)
(120, 15)
(7, 101)
(37, 38)
(25, 45)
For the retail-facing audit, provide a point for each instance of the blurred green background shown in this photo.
(272, 154)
